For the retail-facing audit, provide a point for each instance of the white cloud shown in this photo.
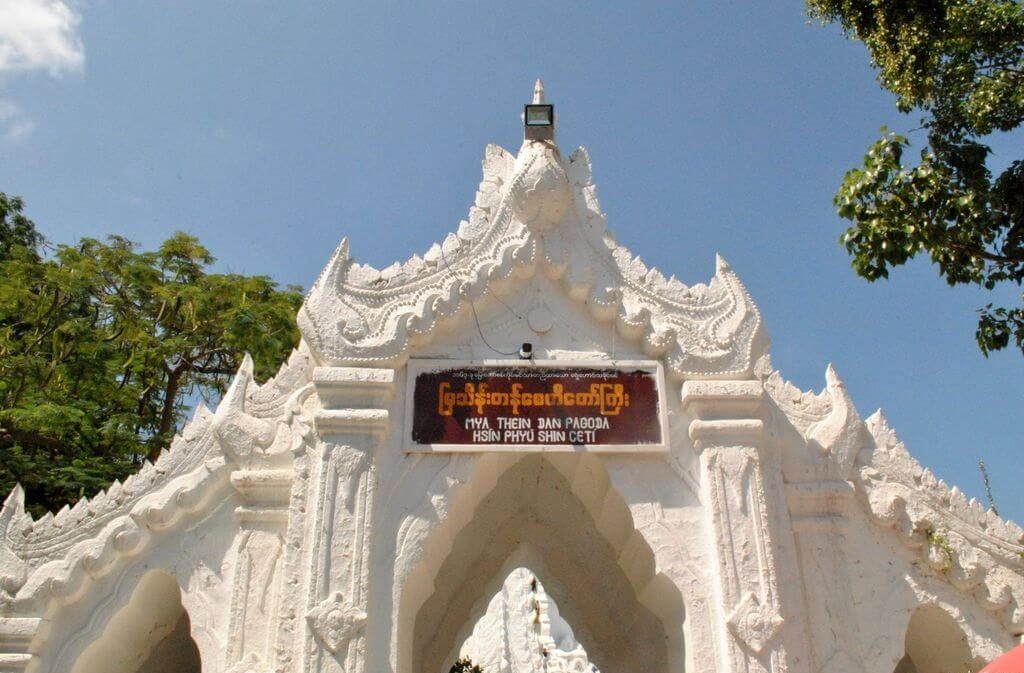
(35, 35)
(39, 35)
(15, 124)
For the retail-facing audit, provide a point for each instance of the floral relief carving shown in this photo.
(754, 623)
(335, 622)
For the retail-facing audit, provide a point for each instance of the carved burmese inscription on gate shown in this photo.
(535, 406)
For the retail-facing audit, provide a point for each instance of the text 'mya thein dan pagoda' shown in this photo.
(525, 448)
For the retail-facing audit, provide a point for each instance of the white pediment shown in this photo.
(536, 212)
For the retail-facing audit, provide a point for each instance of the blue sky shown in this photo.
(272, 129)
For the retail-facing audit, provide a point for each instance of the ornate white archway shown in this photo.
(584, 547)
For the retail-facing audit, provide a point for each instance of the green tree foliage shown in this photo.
(103, 347)
(961, 64)
(464, 665)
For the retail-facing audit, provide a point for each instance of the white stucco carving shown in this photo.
(523, 632)
(252, 663)
(755, 624)
(536, 211)
(778, 532)
(335, 622)
(976, 551)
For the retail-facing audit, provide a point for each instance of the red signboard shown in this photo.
(523, 405)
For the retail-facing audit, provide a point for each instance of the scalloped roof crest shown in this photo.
(536, 211)
(51, 558)
(973, 548)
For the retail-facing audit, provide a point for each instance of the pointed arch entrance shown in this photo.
(595, 565)
(150, 634)
(935, 643)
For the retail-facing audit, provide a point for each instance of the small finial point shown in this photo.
(538, 91)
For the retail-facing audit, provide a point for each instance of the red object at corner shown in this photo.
(1011, 662)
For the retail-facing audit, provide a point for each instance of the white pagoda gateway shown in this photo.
(529, 449)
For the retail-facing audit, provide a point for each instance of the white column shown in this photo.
(742, 494)
(818, 514)
(256, 590)
(350, 426)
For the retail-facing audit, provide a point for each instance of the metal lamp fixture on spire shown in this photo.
(539, 117)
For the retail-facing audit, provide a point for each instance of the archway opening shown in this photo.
(150, 634)
(935, 644)
(580, 543)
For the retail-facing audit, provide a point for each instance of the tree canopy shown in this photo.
(104, 347)
(961, 64)
(465, 665)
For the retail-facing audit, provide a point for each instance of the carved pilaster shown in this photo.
(350, 425)
(260, 551)
(818, 512)
(738, 491)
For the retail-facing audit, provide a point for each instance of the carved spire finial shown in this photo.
(13, 570)
(13, 507)
(538, 92)
(838, 434)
